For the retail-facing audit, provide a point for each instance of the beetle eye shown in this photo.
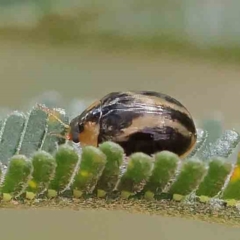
(81, 128)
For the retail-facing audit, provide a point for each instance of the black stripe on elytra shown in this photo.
(114, 120)
(180, 117)
(161, 95)
(121, 100)
(112, 114)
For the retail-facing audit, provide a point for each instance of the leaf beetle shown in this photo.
(139, 121)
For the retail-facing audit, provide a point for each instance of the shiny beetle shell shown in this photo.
(139, 121)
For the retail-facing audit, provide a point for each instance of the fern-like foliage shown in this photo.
(36, 164)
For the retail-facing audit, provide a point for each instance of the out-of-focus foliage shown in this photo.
(164, 24)
(33, 162)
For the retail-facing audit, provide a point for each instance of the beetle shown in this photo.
(139, 121)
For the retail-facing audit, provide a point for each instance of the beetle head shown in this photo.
(85, 127)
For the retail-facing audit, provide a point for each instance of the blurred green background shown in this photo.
(85, 49)
(177, 24)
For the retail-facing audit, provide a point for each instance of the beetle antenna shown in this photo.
(53, 114)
